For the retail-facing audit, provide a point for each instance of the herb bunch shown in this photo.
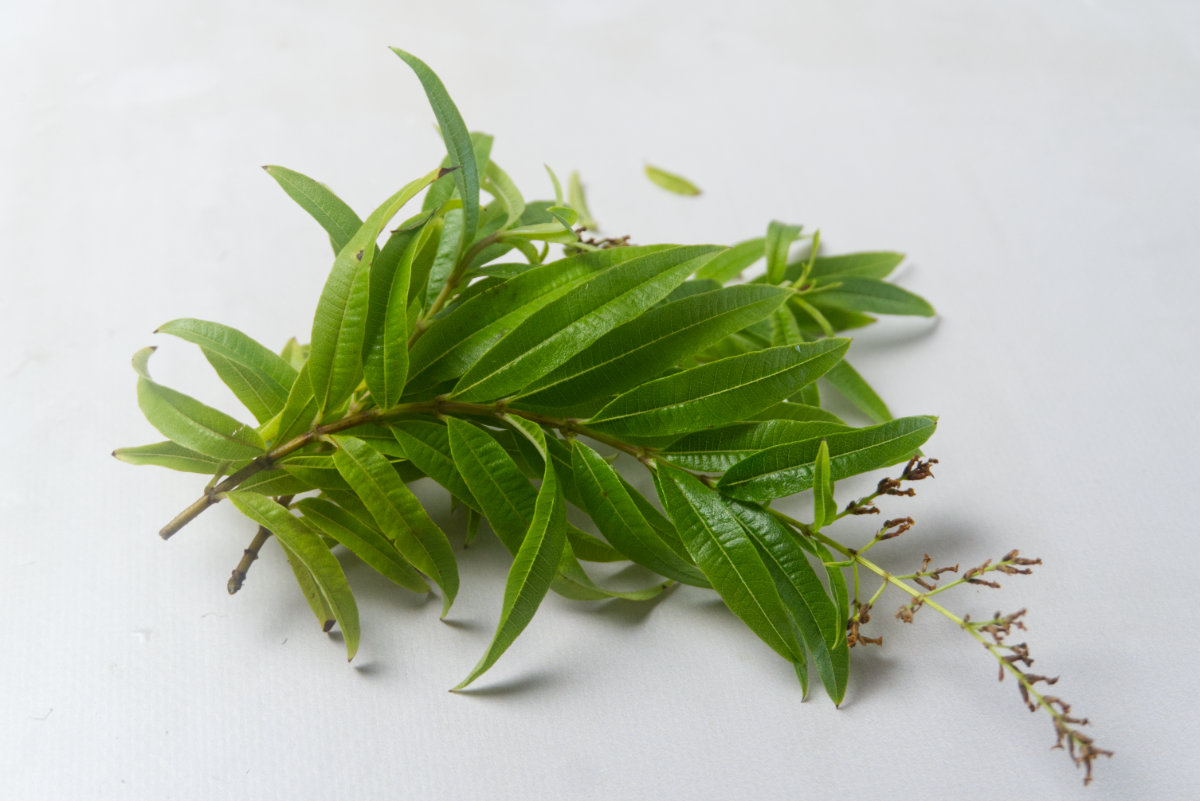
(461, 351)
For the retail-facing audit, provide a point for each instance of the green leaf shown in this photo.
(457, 139)
(871, 295)
(275, 483)
(719, 392)
(310, 589)
(650, 344)
(427, 445)
(816, 615)
(315, 469)
(824, 507)
(338, 219)
(786, 469)
(258, 377)
(719, 545)
(578, 201)
(192, 424)
(732, 262)
(857, 265)
(503, 493)
(463, 334)
(671, 182)
(839, 655)
(366, 543)
(446, 256)
(340, 323)
(798, 411)
(502, 186)
(716, 450)
(533, 568)
(780, 237)
(398, 514)
(299, 412)
(846, 380)
(441, 192)
(306, 546)
(615, 513)
(170, 455)
(385, 361)
(562, 328)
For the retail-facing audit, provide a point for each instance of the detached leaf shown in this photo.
(456, 137)
(338, 219)
(719, 392)
(192, 424)
(786, 469)
(306, 546)
(671, 182)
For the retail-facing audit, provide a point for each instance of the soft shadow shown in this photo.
(629, 613)
(462, 625)
(528, 683)
(370, 669)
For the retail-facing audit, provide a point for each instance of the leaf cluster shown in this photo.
(476, 338)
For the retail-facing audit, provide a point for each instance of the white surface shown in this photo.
(1037, 161)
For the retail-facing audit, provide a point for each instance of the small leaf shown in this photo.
(458, 140)
(338, 219)
(786, 469)
(578, 202)
(854, 265)
(733, 262)
(780, 237)
(824, 507)
(502, 186)
(671, 182)
(306, 546)
(170, 455)
(192, 424)
(871, 295)
(398, 514)
(446, 255)
(719, 392)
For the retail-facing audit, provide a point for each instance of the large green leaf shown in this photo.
(465, 332)
(457, 139)
(873, 295)
(615, 513)
(850, 265)
(306, 545)
(719, 545)
(504, 495)
(846, 380)
(719, 392)
(385, 359)
(338, 219)
(569, 324)
(366, 543)
(340, 323)
(733, 262)
(716, 450)
(786, 469)
(190, 423)
(258, 377)
(650, 344)
(427, 445)
(299, 412)
(399, 514)
(816, 615)
(534, 565)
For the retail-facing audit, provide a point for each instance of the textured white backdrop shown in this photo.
(1037, 161)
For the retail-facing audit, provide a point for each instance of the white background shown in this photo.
(1038, 163)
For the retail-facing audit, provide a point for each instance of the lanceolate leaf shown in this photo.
(846, 380)
(824, 507)
(876, 265)
(306, 545)
(399, 514)
(190, 423)
(338, 219)
(719, 545)
(258, 377)
(503, 494)
(340, 324)
(171, 455)
(506, 192)
(427, 445)
(385, 361)
(718, 449)
(446, 256)
(569, 324)
(780, 237)
(534, 565)
(872, 295)
(617, 516)
(671, 182)
(789, 468)
(467, 331)
(366, 543)
(648, 345)
(456, 137)
(717, 393)
(734, 261)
